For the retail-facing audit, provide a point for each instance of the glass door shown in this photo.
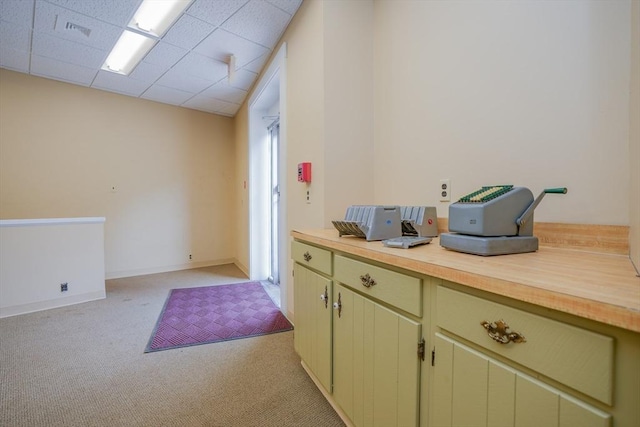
(274, 133)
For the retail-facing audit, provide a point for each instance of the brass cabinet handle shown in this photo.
(338, 305)
(499, 331)
(307, 256)
(367, 281)
(325, 297)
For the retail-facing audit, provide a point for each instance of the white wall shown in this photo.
(63, 147)
(529, 93)
(37, 256)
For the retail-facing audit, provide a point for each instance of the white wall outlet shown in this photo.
(308, 196)
(445, 190)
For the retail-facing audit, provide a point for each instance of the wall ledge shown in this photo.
(50, 221)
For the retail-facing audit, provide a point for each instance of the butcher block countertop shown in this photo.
(599, 286)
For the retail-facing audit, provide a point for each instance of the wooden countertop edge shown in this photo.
(599, 311)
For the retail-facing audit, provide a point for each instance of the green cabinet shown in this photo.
(359, 322)
(376, 368)
(312, 337)
(472, 389)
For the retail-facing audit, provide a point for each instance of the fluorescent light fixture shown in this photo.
(128, 51)
(156, 16)
(153, 18)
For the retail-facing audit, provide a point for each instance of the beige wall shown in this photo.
(386, 98)
(348, 76)
(63, 147)
(241, 221)
(529, 93)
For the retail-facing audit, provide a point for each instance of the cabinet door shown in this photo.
(376, 369)
(471, 389)
(312, 335)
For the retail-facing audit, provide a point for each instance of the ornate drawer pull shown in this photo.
(307, 256)
(338, 305)
(325, 297)
(499, 331)
(367, 281)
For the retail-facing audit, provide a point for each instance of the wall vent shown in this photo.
(70, 26)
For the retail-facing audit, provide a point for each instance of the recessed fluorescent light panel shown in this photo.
(128, 52)
(152, 19)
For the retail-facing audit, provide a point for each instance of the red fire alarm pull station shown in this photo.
(304, 172)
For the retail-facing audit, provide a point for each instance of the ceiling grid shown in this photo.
(69, 40)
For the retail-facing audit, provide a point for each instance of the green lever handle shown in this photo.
(562, 190)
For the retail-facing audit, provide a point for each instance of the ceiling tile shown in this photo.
(117, 12)
(165, 55)
(289, 6)
(223, 91)
(57, 70)
(166, 94)
(243, 79)
(67, 51)
(257, 64)
(211, 105)
(15, 35)
(176, 80)
(215, 12)
(17, 11)
(201, 66)
(147, 72)
(260, 22)
(187, 32)
(118, 83)
(16, 60)
(52, 20)
(220, 44)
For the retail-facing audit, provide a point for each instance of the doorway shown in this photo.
(268, 250)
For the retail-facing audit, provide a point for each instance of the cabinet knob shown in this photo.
(367, 281)
(307, 256)
(500, 332)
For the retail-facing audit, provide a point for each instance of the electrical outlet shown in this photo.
(308, 196)
(64, 287)
(445, 190)
(190, 256)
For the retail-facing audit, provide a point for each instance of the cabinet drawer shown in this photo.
(311, 256)
(578, 358)
(396, 289)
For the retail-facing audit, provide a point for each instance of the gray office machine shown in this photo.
(495, 220)
(387, 222)
(419, 221)
(371, 222)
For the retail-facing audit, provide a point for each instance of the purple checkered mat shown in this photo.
(193, 316)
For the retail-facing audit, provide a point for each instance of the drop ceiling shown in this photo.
(69, 40)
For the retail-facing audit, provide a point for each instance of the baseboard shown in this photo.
(327, 396)
(166, 269)
(241, 266)
(16, 310)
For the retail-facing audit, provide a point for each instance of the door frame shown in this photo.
(272, 85)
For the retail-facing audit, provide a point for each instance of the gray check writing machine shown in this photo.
(396, 226)
(494, 220)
